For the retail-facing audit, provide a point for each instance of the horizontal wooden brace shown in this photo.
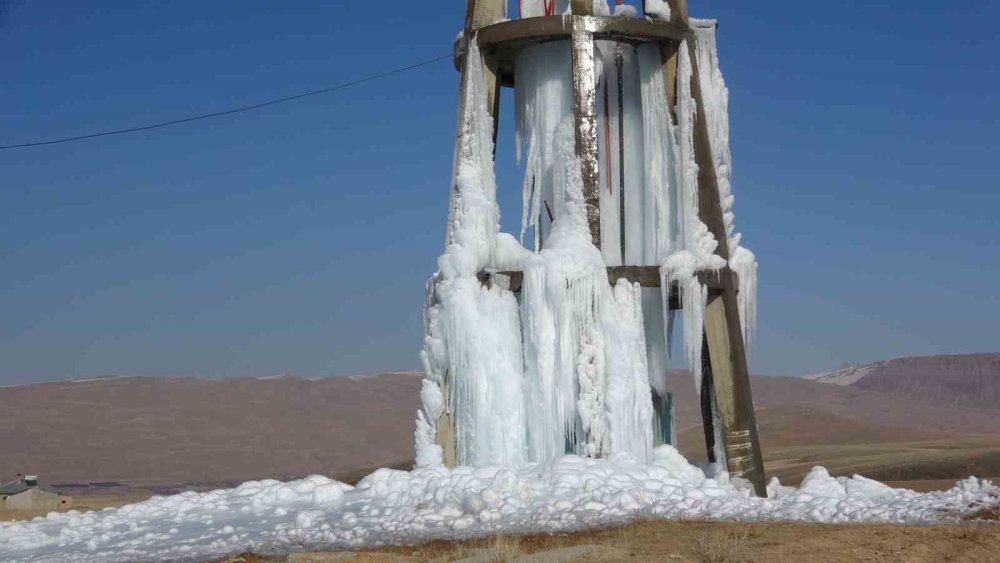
(645, 276)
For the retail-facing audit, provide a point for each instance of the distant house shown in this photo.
(26, 494)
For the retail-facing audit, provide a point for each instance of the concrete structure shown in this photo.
(26, 494)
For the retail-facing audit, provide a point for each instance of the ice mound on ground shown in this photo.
(393, 507)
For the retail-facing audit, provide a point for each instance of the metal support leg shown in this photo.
(585, 120)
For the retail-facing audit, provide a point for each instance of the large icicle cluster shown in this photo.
(573, 364)
(472, 350)
(716, 100)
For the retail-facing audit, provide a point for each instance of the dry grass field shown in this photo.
(701, 542)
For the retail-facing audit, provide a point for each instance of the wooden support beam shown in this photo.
(585, 121)
(724, 336)
(479, 13)
(678, 11)
(583, 7)
(732, 392)
(645, 276)
(445, 436)
(668, 53)
(706, 395)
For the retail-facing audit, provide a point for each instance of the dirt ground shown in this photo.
(707, 542)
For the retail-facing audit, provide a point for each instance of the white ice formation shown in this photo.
(535, 8)
(395, 507)
(571, 364)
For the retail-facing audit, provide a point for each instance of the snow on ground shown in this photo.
(393, 507)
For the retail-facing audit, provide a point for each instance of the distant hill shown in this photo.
(165, 433)
(156, 430)
(969, 379)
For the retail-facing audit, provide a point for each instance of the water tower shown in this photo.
(641, 97)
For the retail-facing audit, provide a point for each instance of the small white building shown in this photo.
(26, 494)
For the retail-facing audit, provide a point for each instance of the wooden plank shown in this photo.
(585, 121)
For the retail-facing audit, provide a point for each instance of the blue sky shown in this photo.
(298, 238)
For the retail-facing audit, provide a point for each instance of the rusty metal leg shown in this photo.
(585, 121)
(733, 398)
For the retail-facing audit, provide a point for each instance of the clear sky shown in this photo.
(298, 238)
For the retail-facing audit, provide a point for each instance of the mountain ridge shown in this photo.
(963, 379)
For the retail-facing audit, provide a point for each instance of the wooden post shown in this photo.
(664, 425)
(678, 11)
(582, 7)
(478, 13)
(724, 336)
(481, 13)
(668, 54)
(585, 120)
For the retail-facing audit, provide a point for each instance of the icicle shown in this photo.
(472, 345)
(564, 287)
(655, 329)
(682, 268)
(544, 97)
(629, 401)
(482, 328)
(659, 149)
(716, 101)
(607, 154)
(696, 244)
(744, 264)
(474, 218)
(631, 176)
(715, 97)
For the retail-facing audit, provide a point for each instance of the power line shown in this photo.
(229, 111)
